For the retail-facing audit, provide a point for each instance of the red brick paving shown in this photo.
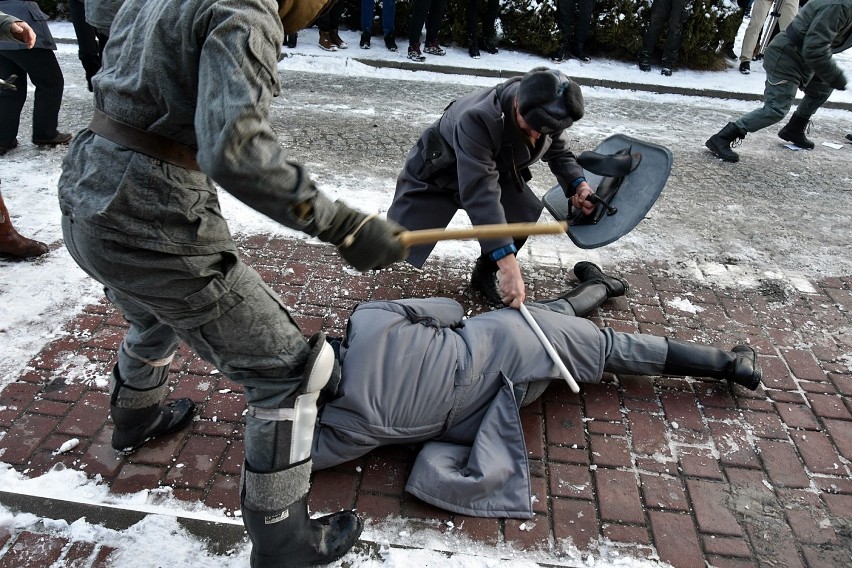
(692, 472)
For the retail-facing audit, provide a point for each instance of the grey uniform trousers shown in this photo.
(215, 303)
(786, 72)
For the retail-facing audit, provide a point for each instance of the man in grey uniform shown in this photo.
(477, 156)
(182, 101)
(416, 371)
(798, 58)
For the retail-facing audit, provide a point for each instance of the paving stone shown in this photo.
(733, 444)
(571, 481)
(803, 365)
(807, 517)
(528, 534)
(564, 425)
(24, 437)
(818, 557)
(782, 464)
(607, 451)
(663, 492)
(197, 462)
(766, 425)
(619, 496)
(627, 534)
(649, 434)
(829, 406)
(32, 549)
(134, 478)
(78, 555)
(676, 539)
(601, 402)
(87, 416)
(383, 506)
(384, 476)
(798, 416)
(332, 491)
(699, 462)
(533, 435)
(710, 503)
(575, 520)
(224, 493)
(818, 452)
(841, 436)
(726, 546)
(681, 408)
(775, 374)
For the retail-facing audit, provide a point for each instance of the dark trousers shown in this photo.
(44, 71)
(330, 20)
(90, 44)
(430, 13)
(576, 16)
(492, 9)
(673, 13)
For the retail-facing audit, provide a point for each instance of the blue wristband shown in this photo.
(502, 252)
(577, 182)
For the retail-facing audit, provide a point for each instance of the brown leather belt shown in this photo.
(144, 142)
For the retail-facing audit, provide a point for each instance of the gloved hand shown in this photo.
(364, 241)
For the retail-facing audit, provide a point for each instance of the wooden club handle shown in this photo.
(426, 236)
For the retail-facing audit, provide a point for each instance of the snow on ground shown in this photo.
(38, 298)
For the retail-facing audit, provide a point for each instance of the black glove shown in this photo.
(364, 241)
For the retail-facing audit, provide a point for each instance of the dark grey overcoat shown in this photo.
(476, 158)
(416, 371)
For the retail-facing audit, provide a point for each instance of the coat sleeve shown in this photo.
(823, 31)
(563, 164)
(237, 147)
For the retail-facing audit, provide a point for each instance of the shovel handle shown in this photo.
(427, 236)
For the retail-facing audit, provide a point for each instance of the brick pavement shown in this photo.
(694, 471)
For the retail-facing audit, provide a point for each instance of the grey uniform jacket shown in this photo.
(823, 27)
(416, 371)
(202, 73)
(480, 163)
(30, 13)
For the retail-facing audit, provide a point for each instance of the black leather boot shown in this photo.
(483, 279)
(721, 142)
(289, 537)
(739, 365)
(135, 426)
(587, 271)
(794, 131)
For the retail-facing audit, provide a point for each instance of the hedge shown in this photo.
(530, 26)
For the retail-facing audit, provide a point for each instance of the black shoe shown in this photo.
(365, 40)
(484, 281)
(290, 40)
(60, 138)
(10, 146)
(588, 271)
(559, 55)
(745, 67)
(579, 55)
(722, 142)
(489, 46)
(432, 48)
(728, 53)
(414, 53)
(666, 71)
(644, 66)
(849, 137)
(135, 426)
(390, 43)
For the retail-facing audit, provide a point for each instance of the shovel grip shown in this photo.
(428, 236)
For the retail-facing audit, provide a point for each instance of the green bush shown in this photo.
(530, 25)
(617, 27)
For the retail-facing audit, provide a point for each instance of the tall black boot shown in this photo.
(483, 279)
(721, 142)
(586, 271)
(472, 47)
(738, 365)
(794, 131)
(135, 426)
(276, 478)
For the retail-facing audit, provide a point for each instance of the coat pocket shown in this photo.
(437, 154)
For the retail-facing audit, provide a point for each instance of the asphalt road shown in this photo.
(777, 211)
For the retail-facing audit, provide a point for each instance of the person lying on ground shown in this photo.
(416, 371)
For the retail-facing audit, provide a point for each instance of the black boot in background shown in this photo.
(794, 131)
(721, 142)
(483, 279)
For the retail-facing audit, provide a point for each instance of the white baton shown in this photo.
(566, 374)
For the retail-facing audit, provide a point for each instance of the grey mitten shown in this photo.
(364, 241)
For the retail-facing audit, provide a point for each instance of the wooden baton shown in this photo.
(426, 236)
